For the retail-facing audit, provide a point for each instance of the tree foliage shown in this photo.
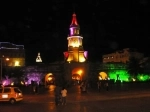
(134, 66)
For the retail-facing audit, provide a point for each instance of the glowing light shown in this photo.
(66, 54)
(123, 75)
(17, 63)
(22, 82)
(71, 31)
(49, 78)
(38, 59)
(81, 59)
(75, 37)
(7, 59)
(12, 83)
(133, 79)
(75, 44)
(80, 72)
(103, 75)
(4, 83)
(86, 54)
(26, 83)
(143, 77)
(50, 74)
(99, 77)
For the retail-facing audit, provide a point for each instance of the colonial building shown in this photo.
(11, 54)
(74, 66)
(122, 56)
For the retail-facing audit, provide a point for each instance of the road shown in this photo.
(92, 101)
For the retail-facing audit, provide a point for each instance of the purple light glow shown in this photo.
(86, 54)
(34, 77)
(71, 31)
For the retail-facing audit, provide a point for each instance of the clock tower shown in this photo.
(75, 51)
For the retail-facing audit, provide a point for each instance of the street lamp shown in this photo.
(1, 59)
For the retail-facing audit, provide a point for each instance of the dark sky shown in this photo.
(106, 26)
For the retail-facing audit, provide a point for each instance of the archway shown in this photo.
(103, 76)
(77, 75)
(49, 79)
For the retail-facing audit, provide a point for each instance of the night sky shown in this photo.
(106, 26)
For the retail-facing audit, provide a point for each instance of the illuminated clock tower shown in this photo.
(75, 51)
(76, 64)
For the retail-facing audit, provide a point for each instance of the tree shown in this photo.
(134, 67)
(145, 64)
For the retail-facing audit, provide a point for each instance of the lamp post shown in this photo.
(1, 59)
(1, 70)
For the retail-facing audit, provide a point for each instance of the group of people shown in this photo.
(60, 95)
(100, 85)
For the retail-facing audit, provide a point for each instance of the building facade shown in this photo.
(122, 56)
(12, 55)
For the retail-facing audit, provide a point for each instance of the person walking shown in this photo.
(57, 95)
(99, 86)
(107, 86)
(64, 95)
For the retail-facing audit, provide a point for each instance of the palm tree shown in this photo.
(134, 67)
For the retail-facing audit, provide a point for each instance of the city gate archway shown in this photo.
(103, 76)
(49, 79)
(77, 74)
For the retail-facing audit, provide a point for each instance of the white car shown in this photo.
(10, 94)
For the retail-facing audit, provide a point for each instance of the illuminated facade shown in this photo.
(76, 66)
(122, 56)
(11, 54)
(75, 51)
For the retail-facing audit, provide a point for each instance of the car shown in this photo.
(10, 94)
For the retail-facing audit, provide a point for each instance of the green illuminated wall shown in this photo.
(143, 77)
(120, 69)
(123, 75)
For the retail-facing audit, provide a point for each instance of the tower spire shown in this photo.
(74, 21)
(74, 27)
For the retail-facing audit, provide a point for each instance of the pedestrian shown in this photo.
(57, 95)
(99, 86)
(107, 86)
(63, 95)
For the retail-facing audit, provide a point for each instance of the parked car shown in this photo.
(10, 94)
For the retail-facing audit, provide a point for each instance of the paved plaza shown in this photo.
(93, 101)
(114, 100)
(75, 94)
